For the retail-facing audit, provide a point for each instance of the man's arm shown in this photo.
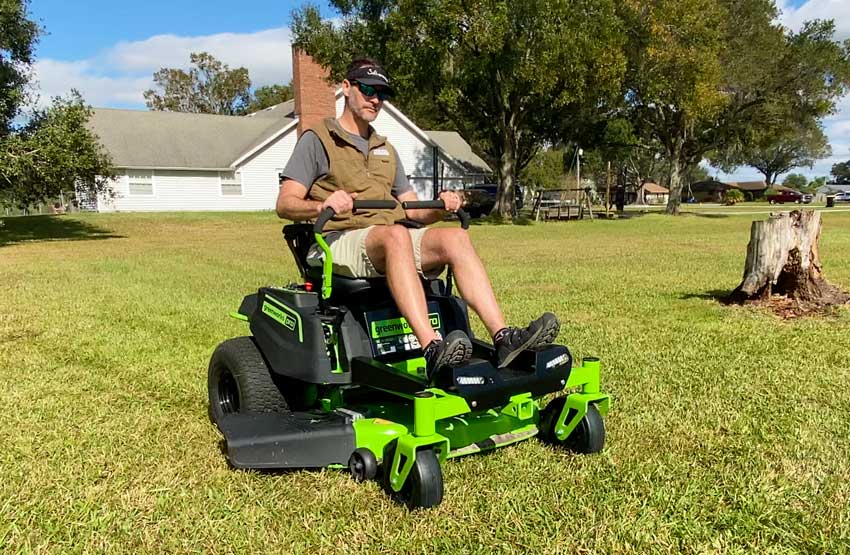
(293, 204)
(428, 216)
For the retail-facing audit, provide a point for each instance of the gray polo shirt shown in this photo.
(309, 162)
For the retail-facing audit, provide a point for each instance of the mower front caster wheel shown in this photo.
(363, 465)
(424, 485)
(588, 435)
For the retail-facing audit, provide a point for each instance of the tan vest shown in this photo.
(371, 177)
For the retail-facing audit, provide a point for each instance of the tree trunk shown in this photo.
(783, 259)
(505, 200)
(675, 198)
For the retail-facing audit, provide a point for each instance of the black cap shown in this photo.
(371, 75)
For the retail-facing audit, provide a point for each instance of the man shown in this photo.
(345, 159)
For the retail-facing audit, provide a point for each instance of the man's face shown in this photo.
(361, 105)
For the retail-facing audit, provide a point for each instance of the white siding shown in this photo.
(259, 173)
(416, 156)
(187, 190)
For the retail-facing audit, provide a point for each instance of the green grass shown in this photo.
(729, 431)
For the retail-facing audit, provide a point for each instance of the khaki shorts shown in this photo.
(350, 258)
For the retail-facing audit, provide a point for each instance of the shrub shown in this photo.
(733, 196)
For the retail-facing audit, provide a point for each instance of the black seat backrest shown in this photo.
(300, 238)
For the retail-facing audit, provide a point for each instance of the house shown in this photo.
(709, 190)
(830, 189)
(170, 161)
(753, 190)
(652, 193)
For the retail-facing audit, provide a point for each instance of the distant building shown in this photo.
(652, 193)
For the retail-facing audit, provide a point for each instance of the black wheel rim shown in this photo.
(228, 394)
(357, 467)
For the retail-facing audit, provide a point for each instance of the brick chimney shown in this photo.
(314, 97)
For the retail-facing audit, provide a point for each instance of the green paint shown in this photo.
(239, 316)
(399, 326)
(413, 366)
(423, 414)
(327, 266)
(284, 315)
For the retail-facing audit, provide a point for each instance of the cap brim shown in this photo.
(375, 82)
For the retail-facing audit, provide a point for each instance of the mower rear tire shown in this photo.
(588, 435)
(238, 381)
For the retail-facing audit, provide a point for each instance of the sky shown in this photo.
(109, 50)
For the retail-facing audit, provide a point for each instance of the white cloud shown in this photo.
(837, 10)
(119, 76)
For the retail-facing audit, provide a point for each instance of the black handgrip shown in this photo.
(423, 204)
(437, 205)
(323, 218)
(463, 217)
(374, 204)
(329, 212)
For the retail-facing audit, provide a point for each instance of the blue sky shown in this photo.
(109, 49)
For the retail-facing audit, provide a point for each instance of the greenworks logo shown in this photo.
(399, 326)
(280, 316)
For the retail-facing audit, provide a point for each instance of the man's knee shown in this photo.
(393, 238)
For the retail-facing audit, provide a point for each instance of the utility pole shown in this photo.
(608, 193)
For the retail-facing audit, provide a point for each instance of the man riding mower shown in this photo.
(332, 376)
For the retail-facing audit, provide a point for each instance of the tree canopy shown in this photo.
(841, 173)
(18, 36)
(54, 152)
(506, 75)
(267, 96)
(702, 71)
(210, 87)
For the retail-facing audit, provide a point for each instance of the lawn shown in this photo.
(729, 431)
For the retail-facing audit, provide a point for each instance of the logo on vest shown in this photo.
(381, 152)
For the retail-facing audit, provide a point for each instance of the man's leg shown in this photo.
(452, 246)
(390, 250)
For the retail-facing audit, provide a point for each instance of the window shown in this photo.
(141, 182)
(231, 183)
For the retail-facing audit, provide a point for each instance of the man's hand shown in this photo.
(340, 201)
(453, 200)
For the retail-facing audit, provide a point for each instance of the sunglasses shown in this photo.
(369, 90)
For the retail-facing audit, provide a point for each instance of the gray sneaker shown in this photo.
(452, 351)
(513, 341)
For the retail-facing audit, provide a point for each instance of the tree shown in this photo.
(701, 70)
(18, 36)
(210, 87)
(480, 65)
(267, 96)
(52, 153)
(545, 170)
(795, 180)
(774, 149)
(841, 173)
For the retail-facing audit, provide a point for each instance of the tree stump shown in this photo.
(783, 260)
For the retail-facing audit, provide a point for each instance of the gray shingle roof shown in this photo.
(147, 139)
(282, 110)
(453, 144)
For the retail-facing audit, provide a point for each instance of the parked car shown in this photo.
(842, 196)
(783, 196)
(807, 198)
(480, 199)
